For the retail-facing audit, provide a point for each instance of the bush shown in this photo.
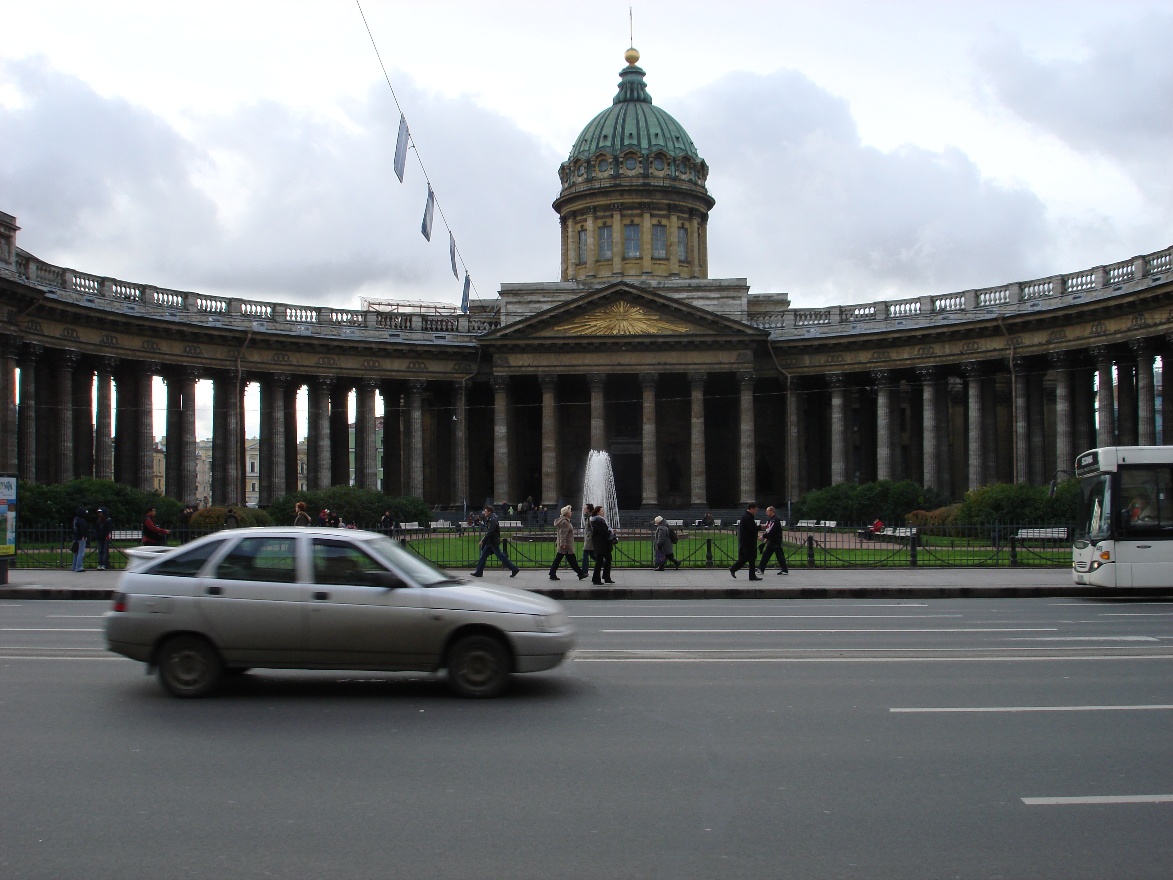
(362, 506)
(41, 506)
(858, 503)
(1020, 503)
(212, 518)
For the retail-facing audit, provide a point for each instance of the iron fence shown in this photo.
(820, 546)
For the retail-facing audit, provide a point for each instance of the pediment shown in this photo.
(621, 312)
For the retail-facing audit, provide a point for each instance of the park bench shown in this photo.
(1052, 534)
(817, 523)
(441, 524)
(411, 526)
(126, 535)
(675, 522)
(511, 524)
(897, 533)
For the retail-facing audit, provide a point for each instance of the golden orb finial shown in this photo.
(631, 56)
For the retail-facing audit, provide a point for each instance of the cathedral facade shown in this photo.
(705, 395)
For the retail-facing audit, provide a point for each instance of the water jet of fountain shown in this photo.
(598, 487)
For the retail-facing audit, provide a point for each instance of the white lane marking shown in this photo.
(76, 616)
(1083, 639)
(1033, 709)
(744, 631)
(1137, 614)
(34, 629)
(868, 659)
(5, 658)
(761, 616)
(1099, 799)
(1089, 605)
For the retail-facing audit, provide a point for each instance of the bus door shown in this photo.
(1144, 546)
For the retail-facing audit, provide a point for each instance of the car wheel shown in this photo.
(478, 666)
(189, 667)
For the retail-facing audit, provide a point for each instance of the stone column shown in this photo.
(415, 421)
(645, 241)
(592, 246)
(883, 380)
(340, 433)
(177, 452)
(839, 463)
(189, 468)
(66, 362)
(597, 382)
(293, 476)
(83, 420)
(650, 493)
(973, 384)
(749, 483)
(318, 440)
(27, 414)
(1064, 421)
(392, 439)
(699, 480)
(460, 444)
(500, 439)
(617, 235)
(795, 434)
(9, 427)
(1022, 422)
(1125, 401)
(103, 424)
(673, 247)
(931, 471)
(145, 424)
(1105, 398)
(549, 385)
(273, 473)
(1146, 427)
(366, 453)
(1036, 396)
(227, 470)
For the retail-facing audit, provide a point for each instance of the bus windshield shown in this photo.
(1095, 509)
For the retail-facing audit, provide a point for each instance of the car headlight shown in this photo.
(551, 622)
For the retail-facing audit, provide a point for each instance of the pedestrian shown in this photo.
(334, 520)
(564, 544)
(747, 542)
(230, 520)
(324, 517)
(491, 543)
(387, 523)
(773, 543)
(104, 532)
(152, 533)
(81, 534)
(603, 538)
(663, 545)
(185, 524)
(588, 544)
(300, 516)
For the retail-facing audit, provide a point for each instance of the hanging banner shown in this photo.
(426, 225)
(401, 147)
(464, 299)
(452, 255)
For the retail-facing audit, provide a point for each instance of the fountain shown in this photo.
(598, 487)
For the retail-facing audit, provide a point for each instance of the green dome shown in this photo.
(633, 122)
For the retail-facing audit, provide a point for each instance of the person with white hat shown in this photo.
(564, 545)
(662, 545)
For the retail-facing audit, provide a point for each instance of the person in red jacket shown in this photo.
(153, 534)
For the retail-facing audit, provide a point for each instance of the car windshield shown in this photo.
(417, 568)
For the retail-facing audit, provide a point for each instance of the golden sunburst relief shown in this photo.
(620, 319)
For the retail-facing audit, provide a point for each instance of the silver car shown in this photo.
(312, 598)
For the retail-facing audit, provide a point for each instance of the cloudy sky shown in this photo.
(859, 149)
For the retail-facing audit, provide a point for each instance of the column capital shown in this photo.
(697, 378)
(927, 374)
(836, 381)
(1140, 346)
(31, 352)
(324, 383)
(366, 384)
(499, 384)
(280, 380)
(417, 386)
(597, 381)
(1102, 354)
(882, 377)
(68, 359)
(548, 381)
(107, 365)
(744, 379)
(647, 381)
(1060, 360)
(973, 370)
(150, 368)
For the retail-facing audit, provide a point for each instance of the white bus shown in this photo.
(1124, 534)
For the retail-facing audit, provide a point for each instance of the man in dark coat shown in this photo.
(747, 542)
(773, 537)
(491, 543)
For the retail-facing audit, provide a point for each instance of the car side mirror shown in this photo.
(389, 580)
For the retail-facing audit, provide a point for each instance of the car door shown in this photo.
(253, 605)
(356, 620)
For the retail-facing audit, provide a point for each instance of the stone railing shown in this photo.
(95, 291)
(1061, 290)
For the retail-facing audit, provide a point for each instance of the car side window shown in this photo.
(260, 559)
(337, 562)
(186, 563)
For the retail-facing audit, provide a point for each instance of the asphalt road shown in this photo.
(702, 739)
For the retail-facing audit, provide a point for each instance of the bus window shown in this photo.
(1148, 492)
(1095, 521)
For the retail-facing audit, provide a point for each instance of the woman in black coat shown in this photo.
(601, 539)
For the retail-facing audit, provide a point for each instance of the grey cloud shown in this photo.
(830, 220)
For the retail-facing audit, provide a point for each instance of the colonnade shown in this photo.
(693, 439)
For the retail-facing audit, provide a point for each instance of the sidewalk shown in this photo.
(712, 583)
